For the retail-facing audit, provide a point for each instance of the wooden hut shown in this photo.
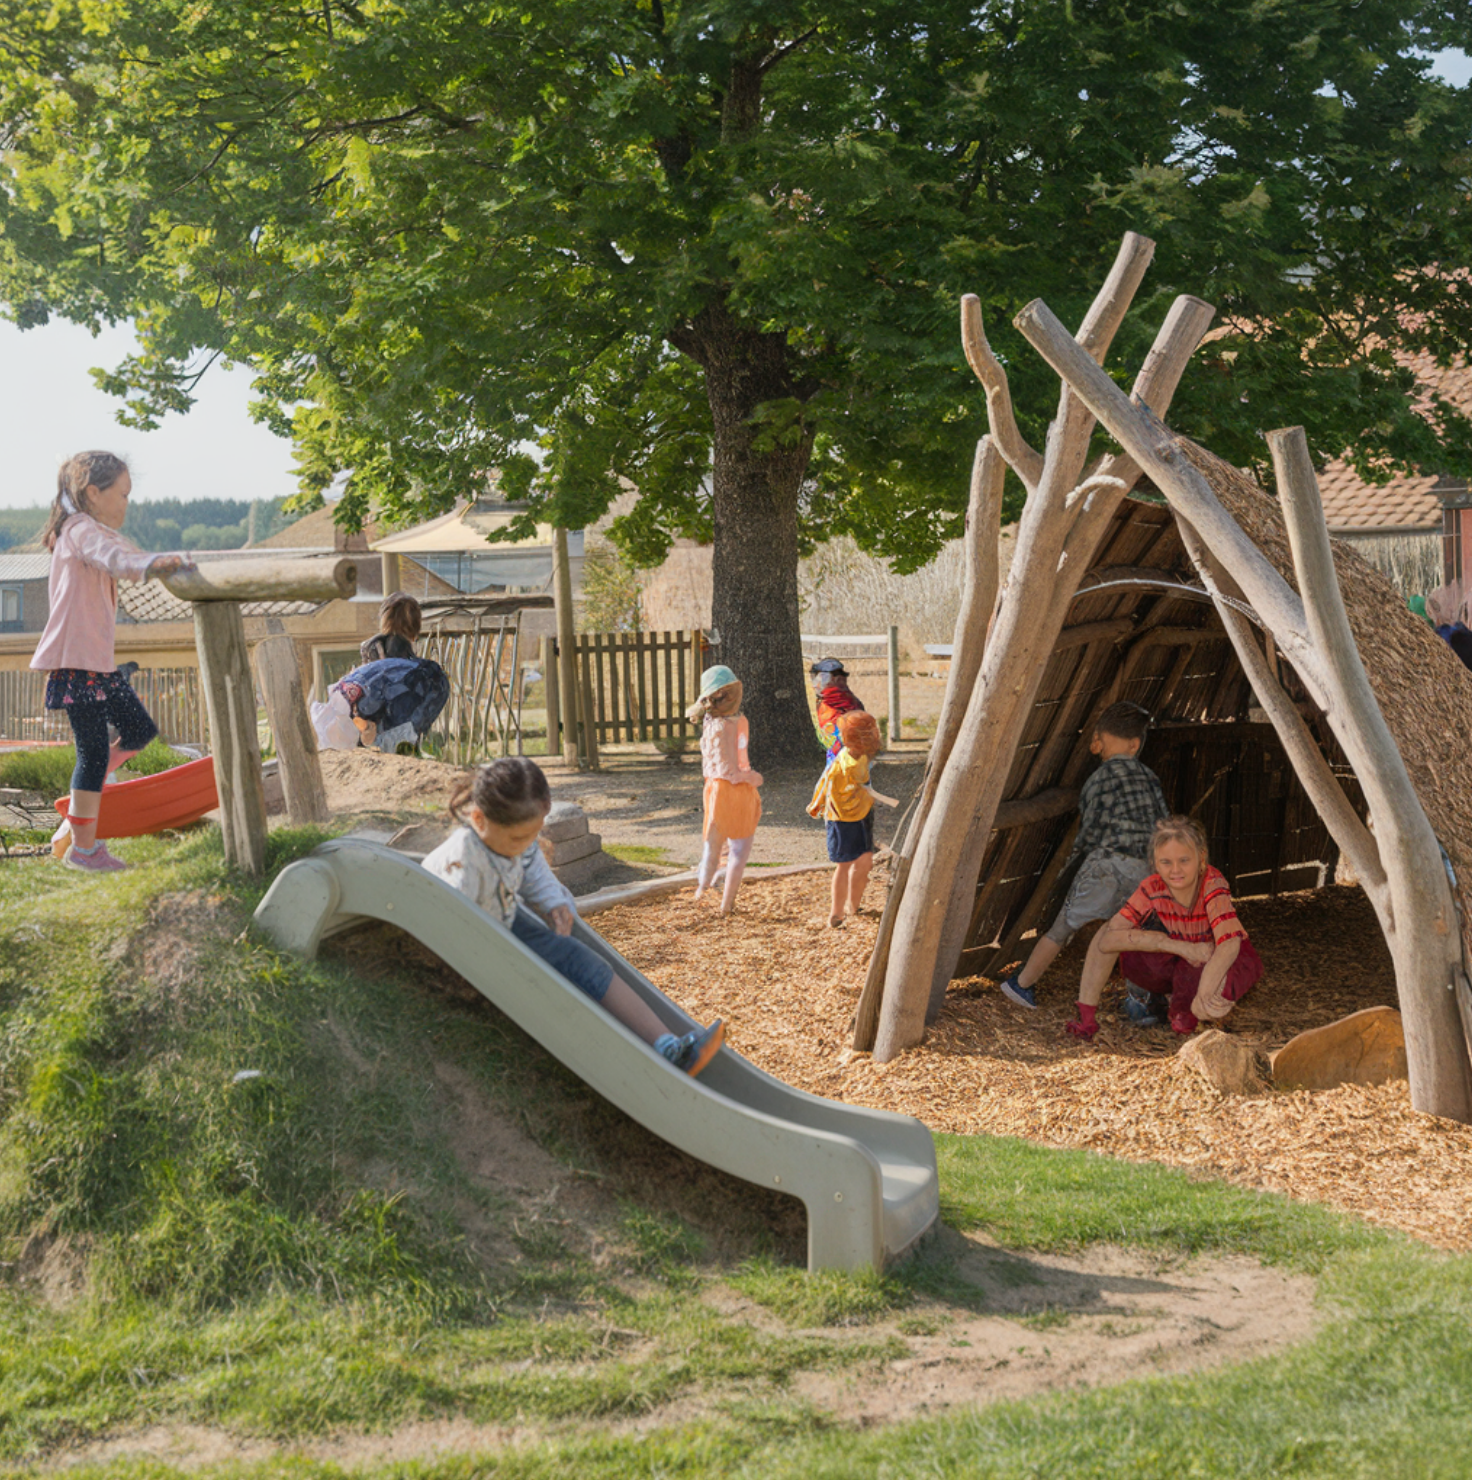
(1142, 627)
(1107, 598)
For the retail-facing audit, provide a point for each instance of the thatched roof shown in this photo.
(1141, 628)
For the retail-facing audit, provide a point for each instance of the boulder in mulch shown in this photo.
(1366, 1047)
(1226, 1063)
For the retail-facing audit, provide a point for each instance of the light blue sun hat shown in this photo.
(713, 679)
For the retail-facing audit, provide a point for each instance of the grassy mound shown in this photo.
(288, 1200)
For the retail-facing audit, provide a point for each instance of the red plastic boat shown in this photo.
(172, 798)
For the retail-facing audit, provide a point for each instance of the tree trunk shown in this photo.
(754, 561)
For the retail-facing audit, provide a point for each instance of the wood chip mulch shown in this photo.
(787, 984)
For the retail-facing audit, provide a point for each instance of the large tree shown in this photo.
(715, 249)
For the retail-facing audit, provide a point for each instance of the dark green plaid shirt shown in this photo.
(1118, 809)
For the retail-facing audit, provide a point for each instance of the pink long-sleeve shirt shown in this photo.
(88, 562)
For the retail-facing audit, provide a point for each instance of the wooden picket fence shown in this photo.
(635, 685)
(171, 695)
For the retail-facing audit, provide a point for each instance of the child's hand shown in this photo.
(1197, 953)
(755, 777)
(166, 565)
(561, 918)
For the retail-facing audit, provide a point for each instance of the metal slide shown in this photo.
(866, 1177)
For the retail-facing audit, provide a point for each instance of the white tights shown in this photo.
(738, 851)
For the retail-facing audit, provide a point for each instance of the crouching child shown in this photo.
(1118, 809)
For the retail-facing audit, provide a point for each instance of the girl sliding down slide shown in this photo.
(495, 860)
(88, 558)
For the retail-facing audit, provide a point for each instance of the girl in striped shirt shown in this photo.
(1177, 938)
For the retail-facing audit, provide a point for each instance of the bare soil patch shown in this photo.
(787, 988)
(1048, 1323)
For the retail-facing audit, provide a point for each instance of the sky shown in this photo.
(49, 408)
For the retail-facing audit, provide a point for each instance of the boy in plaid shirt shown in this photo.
(1118, 809)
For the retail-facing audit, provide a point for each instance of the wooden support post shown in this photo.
(391, 576)
(230, 701)
(550, 688)
(291, 727)
(895, 721)
(566, 647)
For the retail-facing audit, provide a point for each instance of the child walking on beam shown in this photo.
(88, 558)
(1118, 809)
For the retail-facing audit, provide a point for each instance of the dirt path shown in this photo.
(637, 799)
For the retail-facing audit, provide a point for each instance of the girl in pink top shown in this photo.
(733, 804)
(88, 558)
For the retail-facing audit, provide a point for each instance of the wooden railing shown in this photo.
(171, 695)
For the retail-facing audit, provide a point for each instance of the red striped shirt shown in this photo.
(1210, 918)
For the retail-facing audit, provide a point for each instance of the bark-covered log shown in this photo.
(266, 578)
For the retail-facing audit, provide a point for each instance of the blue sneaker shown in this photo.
(1139, 1007)
(1014, 991)
(695, 1050)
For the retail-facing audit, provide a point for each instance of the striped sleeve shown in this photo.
(1138, 907)
(1216, 898)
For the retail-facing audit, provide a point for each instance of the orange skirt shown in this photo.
(732, 809)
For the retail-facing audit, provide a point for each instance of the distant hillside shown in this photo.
(170, 523)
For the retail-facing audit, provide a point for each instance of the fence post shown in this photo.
(550, 691)
(587, 713)
(566, 643)
(894, 684)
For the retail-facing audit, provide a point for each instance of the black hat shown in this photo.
(828, 665)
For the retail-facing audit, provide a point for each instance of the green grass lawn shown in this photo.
(247, 1159)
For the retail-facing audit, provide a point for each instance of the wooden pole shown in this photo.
(391, 575)
(230, 701)
(566, 647)
(894, 684)
(291, 726)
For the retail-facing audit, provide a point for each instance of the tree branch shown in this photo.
(786, 51)
(1024, 460)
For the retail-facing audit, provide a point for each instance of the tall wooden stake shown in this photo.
(291, 728)
(567, 662)
(230, 701)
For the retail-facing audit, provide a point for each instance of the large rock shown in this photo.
(571, 849)
(1226, 1063)
(565, 822)
(1366, 1047)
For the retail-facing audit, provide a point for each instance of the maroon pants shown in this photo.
(1164, 974)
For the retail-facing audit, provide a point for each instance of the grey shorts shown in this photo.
(1101, 886)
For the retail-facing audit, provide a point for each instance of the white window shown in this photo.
(12, 609)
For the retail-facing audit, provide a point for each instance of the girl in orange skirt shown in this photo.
(733, 805)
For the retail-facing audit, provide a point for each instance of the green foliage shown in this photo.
(612, 592)
(21, 526)
(439, 233)
(171, 523)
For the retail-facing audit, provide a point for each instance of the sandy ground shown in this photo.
(637, 799)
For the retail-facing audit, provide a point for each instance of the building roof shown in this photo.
(25, 565)
(463, 529)
(1406, 504)
(317, 531)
